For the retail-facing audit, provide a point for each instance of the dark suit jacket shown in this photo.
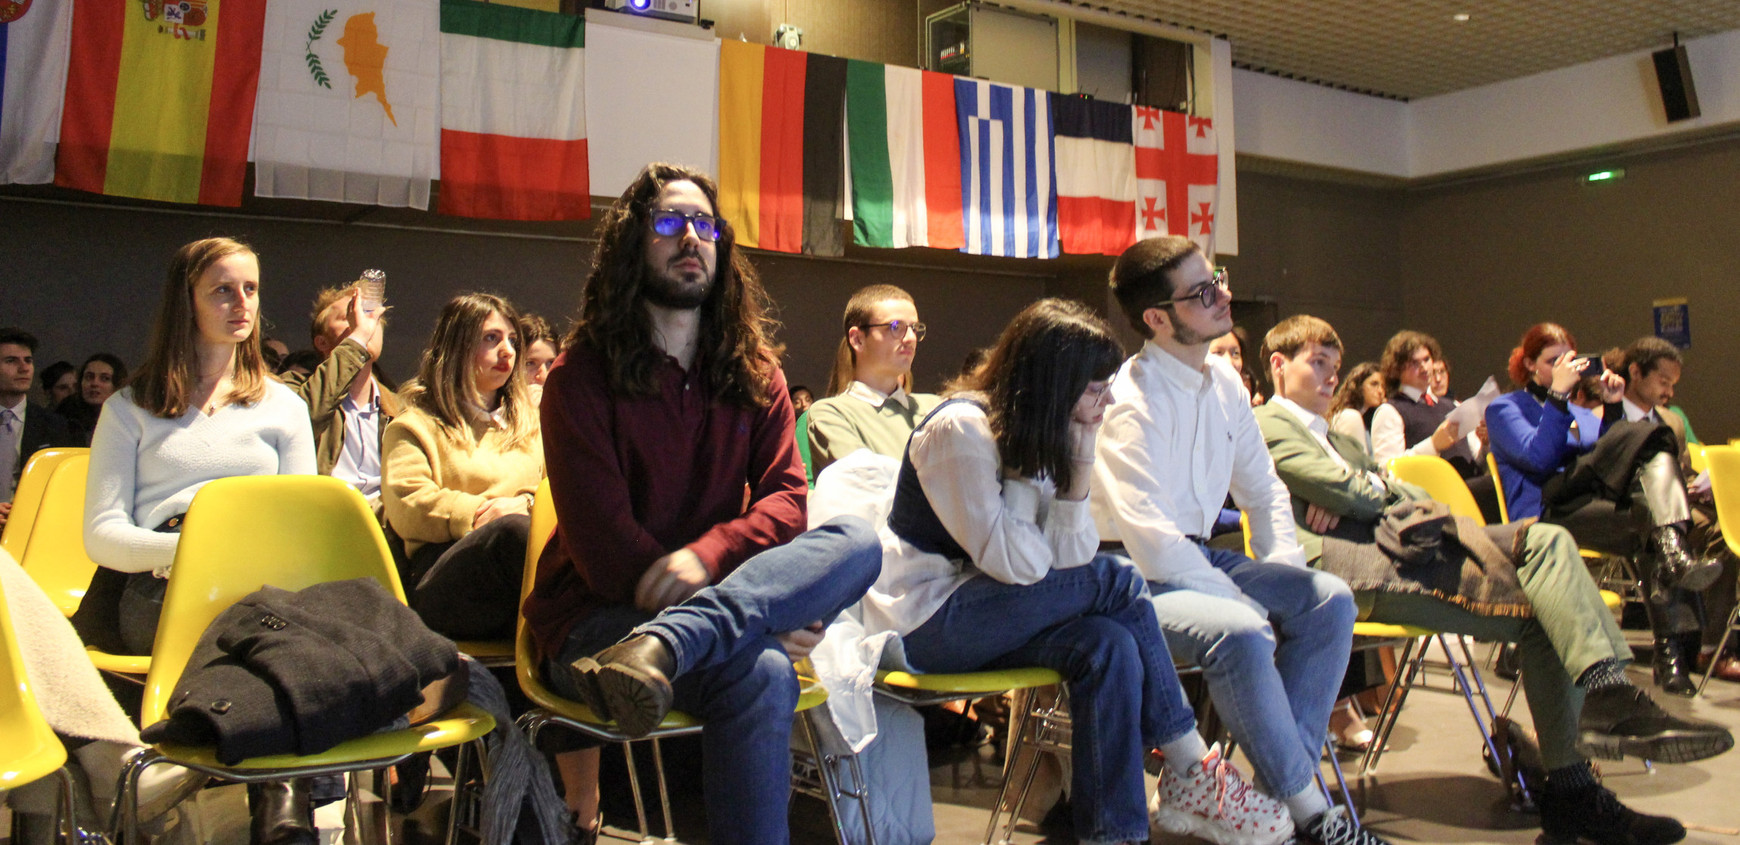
(42, 428)
(1314, 478)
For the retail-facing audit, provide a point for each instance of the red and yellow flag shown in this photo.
(160, 98)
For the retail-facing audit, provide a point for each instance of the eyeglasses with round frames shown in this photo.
(898, 328)
(1208, 293)
(669, 223)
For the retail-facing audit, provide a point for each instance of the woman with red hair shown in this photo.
(1616, 485)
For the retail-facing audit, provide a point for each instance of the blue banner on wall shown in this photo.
(1673, 322)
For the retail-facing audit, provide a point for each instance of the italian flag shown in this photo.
(513, 113)
(161, 99)
(781, 160)
(905, 148)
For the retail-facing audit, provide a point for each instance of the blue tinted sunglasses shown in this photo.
(669, 223)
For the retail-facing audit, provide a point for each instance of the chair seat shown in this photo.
(1386, 631)
(126, 664)
(465, 723)
(33, 751)
(1611, 599)
(491, 653)
(966, 682)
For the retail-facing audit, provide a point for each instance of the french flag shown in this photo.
(1008, 188)
(1096, 175)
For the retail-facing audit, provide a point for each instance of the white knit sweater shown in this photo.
(145, 469)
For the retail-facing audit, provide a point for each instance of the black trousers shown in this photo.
(469, 589)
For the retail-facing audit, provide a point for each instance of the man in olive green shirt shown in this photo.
(868, 404)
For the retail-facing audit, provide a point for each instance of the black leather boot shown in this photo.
(629, 683)
(1673, 668)
(1593, 814)
(1677, 567)
(283, 813)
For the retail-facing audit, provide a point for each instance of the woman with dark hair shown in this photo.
(539, 344)
(1356, 400)
(98, 378)
(870, 402)
(1232, 346)
(1615, 485)
(990, 561)
(59, 380)
(201, 407)
(459, 468)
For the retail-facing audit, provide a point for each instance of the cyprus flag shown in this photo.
(349, 107)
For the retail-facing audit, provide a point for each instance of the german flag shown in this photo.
(781, 140)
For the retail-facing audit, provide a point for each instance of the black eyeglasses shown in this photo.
(670, 223)
(1208, 293)
(898, 328)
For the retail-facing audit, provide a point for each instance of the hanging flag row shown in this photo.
(950, 163)
(362, 101)
(369, 101)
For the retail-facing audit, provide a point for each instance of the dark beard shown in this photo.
(1188, 337)
(668, 291)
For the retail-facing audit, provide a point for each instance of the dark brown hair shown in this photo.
(1141, 277)
(1400, 350)
(171, 368)
(1351, 393)
(735, 348)
(1035, 373)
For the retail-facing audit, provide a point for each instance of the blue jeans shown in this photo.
(1273, 646)
(1093, 625)
(733, 673)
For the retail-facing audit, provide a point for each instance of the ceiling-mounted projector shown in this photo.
(675, 10)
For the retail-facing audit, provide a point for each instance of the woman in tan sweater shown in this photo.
(459, 469)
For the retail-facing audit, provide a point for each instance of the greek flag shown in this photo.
(1008, 190)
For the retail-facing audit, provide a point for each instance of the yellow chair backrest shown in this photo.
(55, 558)
(1699, 462)
(1440, 480)
(31, 750)
(1498, 485)
(289, 531)
(543, 525)
(28, 497)
(1725, 486)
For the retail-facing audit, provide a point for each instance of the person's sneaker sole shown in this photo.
(1190, 824)
(1666, 747)
(631, 699)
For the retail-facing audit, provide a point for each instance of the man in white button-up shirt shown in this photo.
(1271, 634)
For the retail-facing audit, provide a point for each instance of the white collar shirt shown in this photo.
(876, 398)
(359, 460)
(1636, 413)
(1174, 443)
(18, 426)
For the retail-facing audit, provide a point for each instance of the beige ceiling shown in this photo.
(1414, 48)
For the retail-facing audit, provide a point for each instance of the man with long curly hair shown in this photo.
(666, 404)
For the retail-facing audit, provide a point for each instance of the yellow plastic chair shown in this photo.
(1440, 481)
(291, 532)
(1725, 488)
(552, 709)
(30, 750)
(56, 559)
(28, 497)
(1696, 452)
(1498, 483)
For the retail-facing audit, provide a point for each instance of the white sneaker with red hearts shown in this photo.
(1214, 802)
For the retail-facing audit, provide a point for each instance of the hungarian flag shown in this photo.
(1007, 191)
(905, 149)
(1096, 175)
(159, 104)
(513, 113)
(34, 40)
(781, 160)
(350, 101)
(1177, 170)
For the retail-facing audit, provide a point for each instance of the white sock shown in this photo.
(1306, 804)
(1184, 752)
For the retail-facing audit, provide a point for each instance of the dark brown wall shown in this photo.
(1483, 261)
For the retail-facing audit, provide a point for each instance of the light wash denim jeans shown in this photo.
(1094, 626)
(734, 675)
(1273, 646)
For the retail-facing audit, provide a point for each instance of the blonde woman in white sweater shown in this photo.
(459, 468)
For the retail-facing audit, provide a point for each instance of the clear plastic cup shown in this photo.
(374, 290)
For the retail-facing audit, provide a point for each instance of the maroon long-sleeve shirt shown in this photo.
(636, 478)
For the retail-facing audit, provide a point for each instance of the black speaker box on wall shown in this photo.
(1678, 96)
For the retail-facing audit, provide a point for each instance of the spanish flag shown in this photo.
(161, 99)
(781, 147)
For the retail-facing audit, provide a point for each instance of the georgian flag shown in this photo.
(1177, 169)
